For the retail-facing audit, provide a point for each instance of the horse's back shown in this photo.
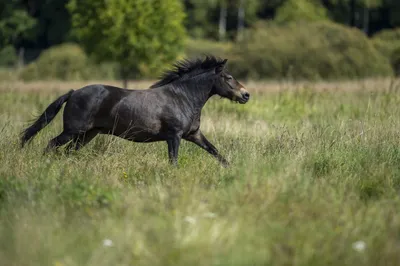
(91, 103)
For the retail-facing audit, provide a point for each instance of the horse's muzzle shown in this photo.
(245, 96)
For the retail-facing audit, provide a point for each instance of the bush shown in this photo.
(66, 62)
(388, 43)
(390, 36)
(320, 50)
(395, 59)
(8, 56)
(301, 10)
(8, 74)
(200, 47)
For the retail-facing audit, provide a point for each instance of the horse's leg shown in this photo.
(82, 139)
(199, 139)
(173, 148)
(58, 141)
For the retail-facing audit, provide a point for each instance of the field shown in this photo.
(314, 180)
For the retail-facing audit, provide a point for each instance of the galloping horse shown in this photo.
(168, 111)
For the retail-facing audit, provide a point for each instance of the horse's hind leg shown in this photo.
(82, 139)
(58, 141)
(173, 148)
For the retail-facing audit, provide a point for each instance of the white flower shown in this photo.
(107, 243)
(359, 246)
(190, 219)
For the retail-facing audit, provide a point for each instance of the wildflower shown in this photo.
(359, 246)
(107, 243)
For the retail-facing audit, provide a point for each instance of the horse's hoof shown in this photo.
(225, 164)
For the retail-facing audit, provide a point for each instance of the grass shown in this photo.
(313, 171)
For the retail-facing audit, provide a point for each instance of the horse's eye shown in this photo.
(229, 77)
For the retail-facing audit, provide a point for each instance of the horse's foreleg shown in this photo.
(173, 148)
(199, 139)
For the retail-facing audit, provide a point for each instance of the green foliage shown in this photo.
(387, 40)
(388, 35)
(301, 10)
(53, 24)
(200, 47)
(203, 16)
(15, 23)
(7, 74)
(393, 7)
(198, 21)
(142, 36)
(388, 43)
(320, 50)
(65, 62)
(395, 59)
(8, 56)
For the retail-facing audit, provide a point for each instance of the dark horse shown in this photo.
(169, 111)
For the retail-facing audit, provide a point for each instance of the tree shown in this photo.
(220, 19)
(223, 15)
(203, 18)
(247, 14)
(301, 10)
(15, 23)
(357, 13)
(53, 26)
(394, 12)
(367, 6)
(141, 35)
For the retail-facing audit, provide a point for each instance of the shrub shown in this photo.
(388, 35)
(319, 50)
(66, 62)
(395, 59)
(8, 56)
(8, 74)
(301, 10)
(388, 43)
(199, 47)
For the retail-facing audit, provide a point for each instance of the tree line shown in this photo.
(40, 24)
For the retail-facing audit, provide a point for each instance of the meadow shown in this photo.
(314, 180)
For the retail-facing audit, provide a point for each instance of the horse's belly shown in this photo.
(145, 138)
(137, 134)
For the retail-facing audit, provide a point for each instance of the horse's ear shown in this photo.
(221, 66)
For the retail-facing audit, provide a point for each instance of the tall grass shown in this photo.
(312, 173)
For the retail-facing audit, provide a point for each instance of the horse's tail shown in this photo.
(48, 115)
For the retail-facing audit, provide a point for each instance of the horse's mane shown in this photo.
(188, 68)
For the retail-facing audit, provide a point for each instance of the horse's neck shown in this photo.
(195, 95)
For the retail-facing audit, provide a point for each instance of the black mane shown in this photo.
(188, 68)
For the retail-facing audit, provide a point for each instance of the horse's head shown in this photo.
(228, 87)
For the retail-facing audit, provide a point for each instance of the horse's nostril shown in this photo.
(246, 95)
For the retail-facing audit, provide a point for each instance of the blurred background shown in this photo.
(136, 39)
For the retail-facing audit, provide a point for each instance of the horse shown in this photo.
(169, 110)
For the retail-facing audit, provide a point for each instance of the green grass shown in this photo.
(312, 173)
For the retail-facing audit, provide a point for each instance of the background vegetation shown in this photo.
(134, 39)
